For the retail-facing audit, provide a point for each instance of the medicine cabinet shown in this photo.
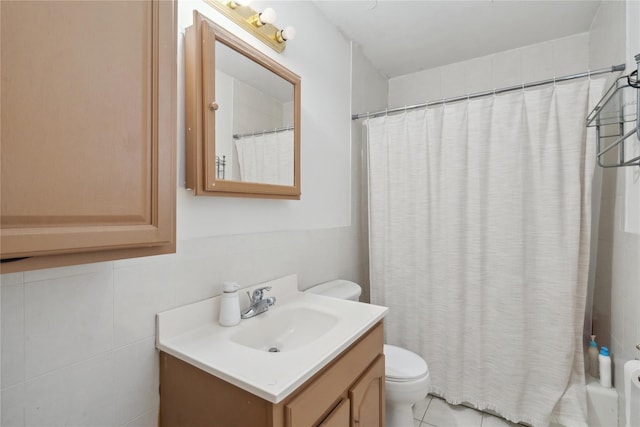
(243, 118)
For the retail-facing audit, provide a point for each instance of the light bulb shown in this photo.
(289, 33)
(268, 16)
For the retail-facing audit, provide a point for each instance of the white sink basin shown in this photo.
(309, 331)
(285, 328)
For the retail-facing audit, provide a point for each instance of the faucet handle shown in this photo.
(257, 293)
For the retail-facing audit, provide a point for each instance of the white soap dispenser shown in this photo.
(230, 305)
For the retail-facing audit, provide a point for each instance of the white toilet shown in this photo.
(407, 376)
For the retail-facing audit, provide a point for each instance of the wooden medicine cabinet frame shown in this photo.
(201, 109)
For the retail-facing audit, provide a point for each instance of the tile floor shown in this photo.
(435, 412)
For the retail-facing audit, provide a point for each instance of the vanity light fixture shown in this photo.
(260, 24)
(237, 3)
(267, 16)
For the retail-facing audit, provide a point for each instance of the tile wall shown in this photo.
(531, 63)
(78, 342)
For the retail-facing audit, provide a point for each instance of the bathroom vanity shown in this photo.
(328, 370)
(350, 387)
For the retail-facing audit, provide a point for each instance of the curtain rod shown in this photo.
(263, 132)
(612, 69)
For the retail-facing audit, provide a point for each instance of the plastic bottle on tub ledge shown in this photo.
(605, 367)
(592, 358)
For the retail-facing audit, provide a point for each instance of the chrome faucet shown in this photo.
(258, 304)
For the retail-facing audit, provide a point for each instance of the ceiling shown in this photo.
(401, 37)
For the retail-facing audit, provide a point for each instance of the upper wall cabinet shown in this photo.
(243, 118)
(88, 131)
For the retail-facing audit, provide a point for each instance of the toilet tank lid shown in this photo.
(343, 289)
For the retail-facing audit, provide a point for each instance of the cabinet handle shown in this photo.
(213, 106)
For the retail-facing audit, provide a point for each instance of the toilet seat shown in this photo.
(402, 365)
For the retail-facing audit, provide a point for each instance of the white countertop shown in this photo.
(192, 333)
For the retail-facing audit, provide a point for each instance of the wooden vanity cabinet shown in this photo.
(348, 392)
(88, 128)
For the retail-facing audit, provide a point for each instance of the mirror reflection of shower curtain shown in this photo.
(479, 244)
(266, 158)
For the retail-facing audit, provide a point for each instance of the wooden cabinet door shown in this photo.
(339, 417)
(313, 402)
(87, 126)
(367, 397)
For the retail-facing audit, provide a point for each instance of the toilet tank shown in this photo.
(343, 289)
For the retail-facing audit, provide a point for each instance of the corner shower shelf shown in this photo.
(619, 106)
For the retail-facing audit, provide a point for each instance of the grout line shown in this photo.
(427, 409)
(24, 351)
(113, 305)
(117, 348)
(71, 365)
(24, 332)
(114, 392)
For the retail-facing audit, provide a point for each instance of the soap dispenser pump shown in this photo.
(230, 305)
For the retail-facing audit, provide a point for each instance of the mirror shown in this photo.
(254, 121)
(243, 118)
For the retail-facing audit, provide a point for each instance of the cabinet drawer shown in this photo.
(313, 402)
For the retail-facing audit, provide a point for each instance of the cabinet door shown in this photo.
(88, 126)
(339, 417)
(314, 401)
(367, 397)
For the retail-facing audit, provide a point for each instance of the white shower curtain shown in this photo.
(266, 158)
(479, 244)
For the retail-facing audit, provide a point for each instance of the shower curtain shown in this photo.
(266, 158)
(479, 244)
